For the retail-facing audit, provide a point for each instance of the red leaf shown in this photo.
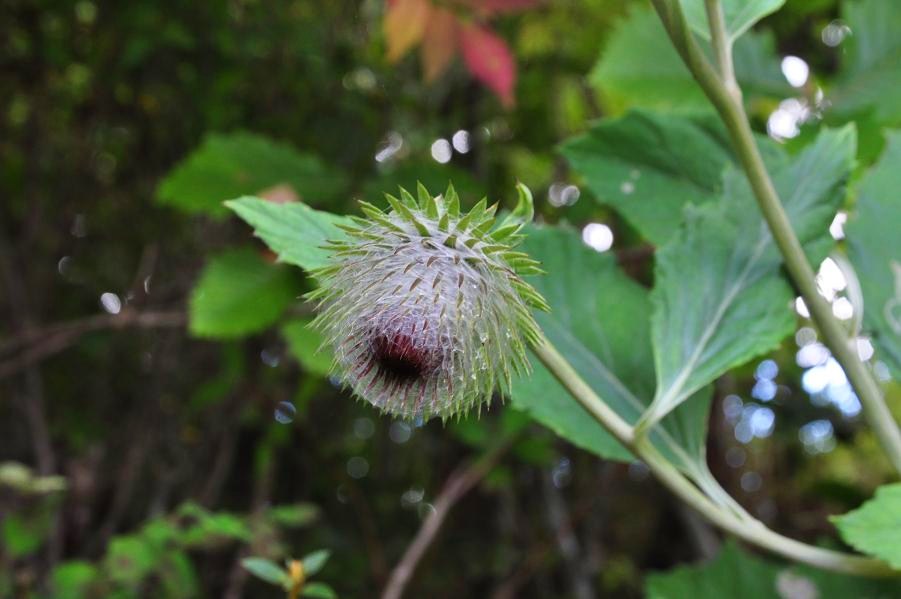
(489, 60)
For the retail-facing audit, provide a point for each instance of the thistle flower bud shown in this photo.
(424, 306)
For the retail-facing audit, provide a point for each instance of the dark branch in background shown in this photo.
(33, 397)
(458, 484)
(32, 346)
(562, 525)
(262, 493)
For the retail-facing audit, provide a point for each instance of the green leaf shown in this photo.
(870, 75)
(239, 293)
(266, 570)
(71, 579)
(304, 343)
(226, 166)
(211, 527)
(875, 251)
(129, 559)
(875, 527)
(318, 590)
(639, 67)
(177, 575)
(732, 574)
(832, 585)
(294, 515)
(293, 230)
(599, 321)
(649, 166)
(719, 299)
(739, 15)
(313, 562)
(22, 536)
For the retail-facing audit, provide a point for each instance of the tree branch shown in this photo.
(458, 484)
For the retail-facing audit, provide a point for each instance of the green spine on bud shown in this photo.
(425, 307)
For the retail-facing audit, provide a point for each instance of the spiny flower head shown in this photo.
(424, 306)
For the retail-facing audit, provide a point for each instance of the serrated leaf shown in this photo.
(649, 166)
(599, 321)
(875, 527)
(732, 574)
(875, 250)
(739, 15)
(719, 299)
(870, 74)
(239, 293)
(294, 231)
(266, 570)
(639, 67)
(314, 562)
(226, 166)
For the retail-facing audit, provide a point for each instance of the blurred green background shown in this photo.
(142, 452)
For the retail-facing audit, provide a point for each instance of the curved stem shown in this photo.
(749, 530)
(732, 113)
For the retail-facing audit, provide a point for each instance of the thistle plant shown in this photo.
(427, 313)
(425, 308)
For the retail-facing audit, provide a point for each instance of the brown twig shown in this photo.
(38, 344)
(567, 542)
(459, 483)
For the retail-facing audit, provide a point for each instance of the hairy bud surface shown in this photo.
(424, 307)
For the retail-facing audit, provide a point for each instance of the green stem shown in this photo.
(750, 530)
(722, 45)
(732, 113)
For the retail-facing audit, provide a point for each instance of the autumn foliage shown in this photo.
(458, 27)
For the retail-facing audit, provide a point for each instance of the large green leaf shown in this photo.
(599, 321)
(293, 230)
(732, 574)
(874, 246)
(640, 67)
(240, 293)
(833, 585)
(870, 76)
(875, 527)
(649, 166)
(304, 343)
(236, 164)
(739, 15)
(737, 574)
(719, 299)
